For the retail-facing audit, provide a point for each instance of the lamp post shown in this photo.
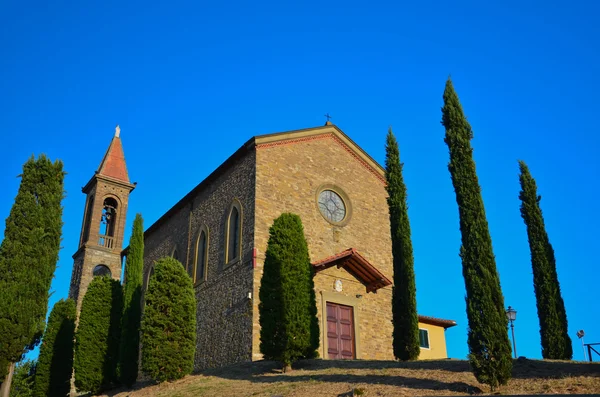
(580, 335)
(511, 314)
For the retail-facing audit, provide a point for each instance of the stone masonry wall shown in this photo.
(288, 177)
(224, 316)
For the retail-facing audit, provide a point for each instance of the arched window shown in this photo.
(101, 270)
(175, 254)
(150, 274)
(201, 256)
(234, 225)
(88, 219)
(108, 222)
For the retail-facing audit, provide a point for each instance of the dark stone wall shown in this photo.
(224, 311)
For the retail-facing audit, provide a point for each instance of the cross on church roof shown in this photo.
(328, 116)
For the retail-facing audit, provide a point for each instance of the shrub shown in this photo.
(288, 311)
(97, 337)
(169, 323)
(55, 363)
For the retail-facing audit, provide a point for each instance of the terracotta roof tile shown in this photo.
(113, 164)
(355, 264)
(437, 321)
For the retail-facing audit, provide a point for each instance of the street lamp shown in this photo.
(580, 335)
(511, 314)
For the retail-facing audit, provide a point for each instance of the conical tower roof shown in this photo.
(113, 164)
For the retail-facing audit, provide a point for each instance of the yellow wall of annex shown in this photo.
(437, 342)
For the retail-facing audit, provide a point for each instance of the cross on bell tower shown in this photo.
(102, 231)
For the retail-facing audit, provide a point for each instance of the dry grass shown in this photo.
(375, 378)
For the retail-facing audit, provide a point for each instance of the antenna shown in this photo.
(580, 335)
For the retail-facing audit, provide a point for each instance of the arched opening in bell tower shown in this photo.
(108, 223)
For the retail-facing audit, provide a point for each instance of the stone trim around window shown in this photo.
(340, 192)
(202, 229)
(335, 297)
(230, 261)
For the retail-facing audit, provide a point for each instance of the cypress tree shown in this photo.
(404, 293)
(55, 363)
(28, 256)
(556, 343)
(169, 323)
(132, 311)
(287, 309)
(23, 379)
(489, 347)
(97, 336)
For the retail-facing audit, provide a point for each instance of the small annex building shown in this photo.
(219, 232)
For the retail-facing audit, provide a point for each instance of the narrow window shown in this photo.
(101, 270)
(424, 338)
(201, 254)
(233, 235)
(88, 220)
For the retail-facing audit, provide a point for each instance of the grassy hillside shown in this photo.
(374, 378)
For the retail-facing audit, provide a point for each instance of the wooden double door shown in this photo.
(340, 332)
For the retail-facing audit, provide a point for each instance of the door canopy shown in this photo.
(355, 264)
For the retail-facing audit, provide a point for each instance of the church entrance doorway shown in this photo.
(340, 332)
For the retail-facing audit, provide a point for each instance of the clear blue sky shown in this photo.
(190, 82)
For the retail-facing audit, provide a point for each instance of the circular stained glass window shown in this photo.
(332, 206)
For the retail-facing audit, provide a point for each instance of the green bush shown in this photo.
(287, 309)
(132, 311)
(55, 363)
(169, 323)
(97, 337)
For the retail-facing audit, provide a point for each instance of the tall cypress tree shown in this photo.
(489, 347)
(132, 311)
(55, 363)
(404, 294)
(28, 256)
(556, 343)
(97, 336)
(169, 323)
(287, 309)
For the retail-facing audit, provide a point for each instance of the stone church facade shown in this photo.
(219, 232)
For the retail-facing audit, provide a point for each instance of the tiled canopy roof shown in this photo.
(437, 321)
(355, 264)
(113, 163)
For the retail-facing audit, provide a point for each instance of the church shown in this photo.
(219, 232)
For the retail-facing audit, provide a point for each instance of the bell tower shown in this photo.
(103, 227)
